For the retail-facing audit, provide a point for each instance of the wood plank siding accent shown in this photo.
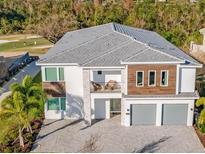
(146, 90)
(54, 89)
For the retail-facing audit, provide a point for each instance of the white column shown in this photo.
(86, 96)
(159, 114)
(43, 73)
(177, 79)
(127, 114)
(190, 113)
(107, 103)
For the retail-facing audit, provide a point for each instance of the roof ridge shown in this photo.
(147, 45)
(68, 50)
(110, 51)
(157, 52)
(141, 51)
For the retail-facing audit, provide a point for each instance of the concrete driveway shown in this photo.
(110, 136)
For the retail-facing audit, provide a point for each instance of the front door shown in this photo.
(115, 107)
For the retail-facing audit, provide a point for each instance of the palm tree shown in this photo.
(32, 91)
(25, 103)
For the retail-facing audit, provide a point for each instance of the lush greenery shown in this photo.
(201, 118)
(37, 78)
(24, 105)
(177, 20)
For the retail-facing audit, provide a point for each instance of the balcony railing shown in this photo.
(110, 86)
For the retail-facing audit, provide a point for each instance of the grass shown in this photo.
(24, 43)
(37, 78)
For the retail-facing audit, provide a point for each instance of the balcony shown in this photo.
(111, 86)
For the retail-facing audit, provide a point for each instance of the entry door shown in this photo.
(175, 114)
(143, 114)
(115, 107)
(100, 109)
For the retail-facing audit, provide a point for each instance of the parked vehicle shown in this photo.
(14, 68)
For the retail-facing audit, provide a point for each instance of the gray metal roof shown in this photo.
(110, 44)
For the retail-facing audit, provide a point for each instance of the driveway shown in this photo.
(110, 136)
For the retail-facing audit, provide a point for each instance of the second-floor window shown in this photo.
(54, 74)
(140, 79)
(164, 78)
(152, 78)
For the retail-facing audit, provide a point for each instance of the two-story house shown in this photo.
(111, 69)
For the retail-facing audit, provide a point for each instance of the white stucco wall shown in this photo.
(73, 76)
(74, 91)
(187, 78)
(106, 76)
(127, 103)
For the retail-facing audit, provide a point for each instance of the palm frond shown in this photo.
(27, 82)
(200, 101)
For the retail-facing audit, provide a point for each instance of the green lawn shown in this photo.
(32, 45)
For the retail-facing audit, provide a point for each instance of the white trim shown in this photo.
(163, 98)
(177, 79)
(154, 78)
(104, 67)
(159, 114)
(134, 63)
(126, 80)
(137, 78)
(57, 64)
(167, 72)
(195, 66)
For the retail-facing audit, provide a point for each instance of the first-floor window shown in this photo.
(57, 103)
(139, 78)
(152, 78)
(164, 78)
(53, 104)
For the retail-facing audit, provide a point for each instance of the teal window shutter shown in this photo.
(61, 74)
(63, 103)
(51, 74)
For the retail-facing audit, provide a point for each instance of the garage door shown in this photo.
(175, 114)
(100, 109)
(143, 114)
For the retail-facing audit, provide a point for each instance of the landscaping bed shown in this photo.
(200, 135)
(29, 139)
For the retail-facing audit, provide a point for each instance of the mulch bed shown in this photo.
(29, 139)
(200, 135)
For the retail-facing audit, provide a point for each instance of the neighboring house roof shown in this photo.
(112, 45)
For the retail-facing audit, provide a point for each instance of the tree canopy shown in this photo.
(177, 21)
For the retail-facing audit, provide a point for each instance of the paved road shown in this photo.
(110, 136)
(30, 69)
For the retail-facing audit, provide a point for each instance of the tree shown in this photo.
(24, 104)
(201, 119)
